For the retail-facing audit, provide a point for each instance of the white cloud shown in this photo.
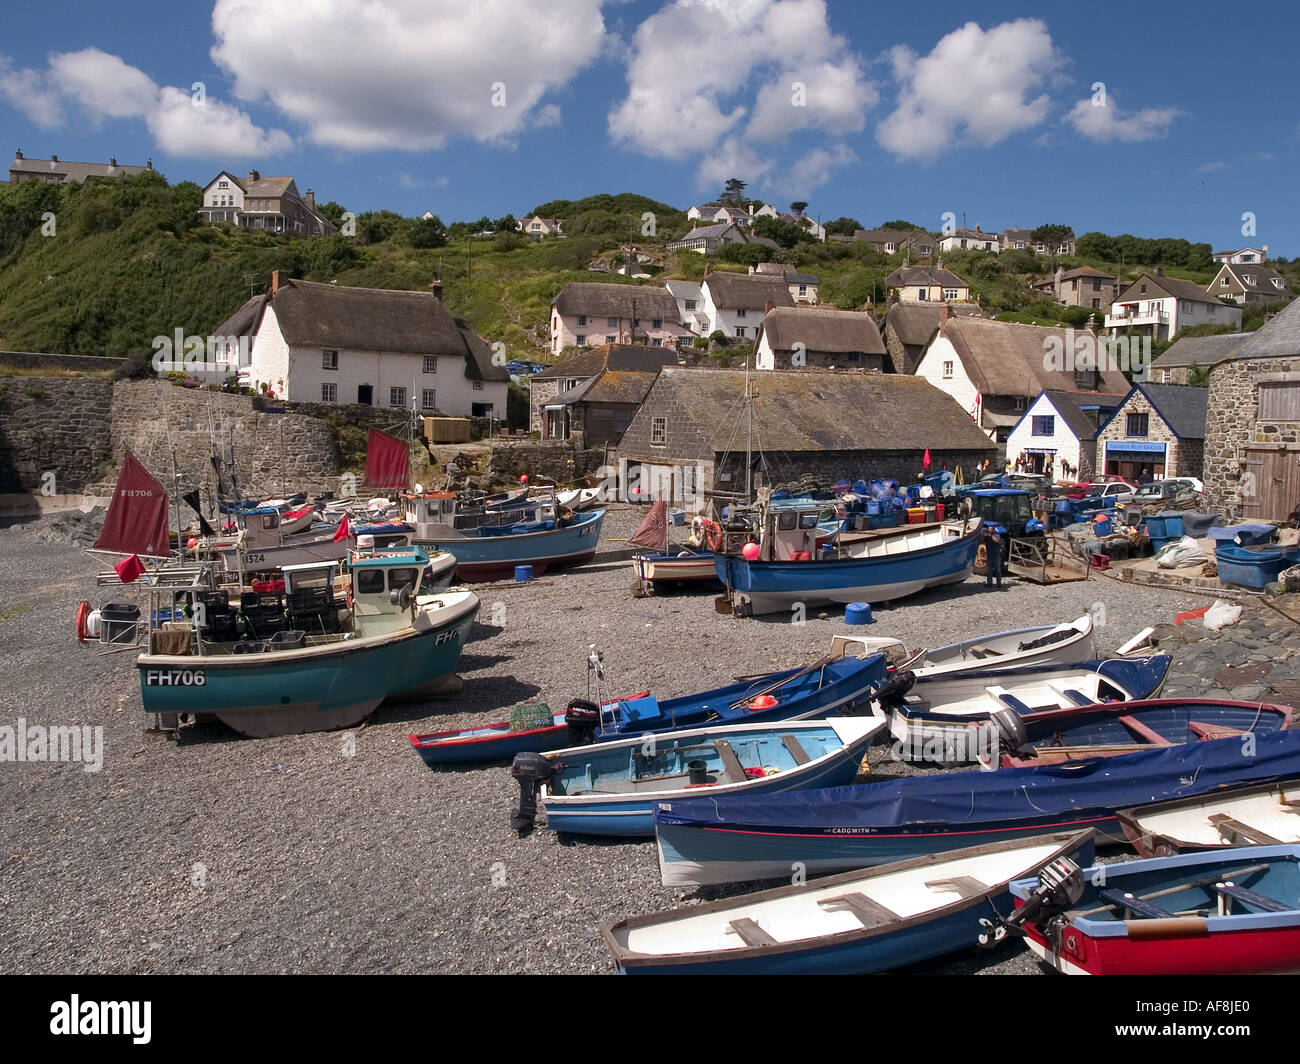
(975, 87)
(1206, 168)
(1102, 120)
(407, 74)
(100, 86)
(710, 77)
(813, 169)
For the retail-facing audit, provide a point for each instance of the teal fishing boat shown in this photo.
(368, 635)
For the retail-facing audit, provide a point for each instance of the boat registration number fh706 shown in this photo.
(175, 677)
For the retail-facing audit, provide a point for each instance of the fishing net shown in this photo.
(526, 716)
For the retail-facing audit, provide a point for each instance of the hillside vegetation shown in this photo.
(102, 268)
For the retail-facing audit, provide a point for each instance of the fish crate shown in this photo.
(1245, 567)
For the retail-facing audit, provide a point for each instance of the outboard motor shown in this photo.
(895, 688)
(1005, 731)
(583, 718)
(531, 770)
(1060, 885)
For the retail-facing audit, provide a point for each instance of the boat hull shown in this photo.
(486, 558)
(675, 568)
(316, 688)
(769, 587)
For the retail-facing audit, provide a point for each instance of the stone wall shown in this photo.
(36, 360)
(1182, 457)
(547, 459)
(831, 466)
(58, 425)
(1232, 424)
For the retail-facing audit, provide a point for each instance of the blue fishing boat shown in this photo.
(611, 788)
(871, 920)
(824, 688)
(736, 839)
(394, 642)
(491, 544)
(874, 566)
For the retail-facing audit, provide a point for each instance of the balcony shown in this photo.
(1127, 314)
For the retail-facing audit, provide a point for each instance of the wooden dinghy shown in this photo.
(1229, 912)
(854, 923)
(1243, 816)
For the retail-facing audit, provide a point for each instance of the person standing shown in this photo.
(993, 555)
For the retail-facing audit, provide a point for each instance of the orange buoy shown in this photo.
(761, 702)
(83, 612)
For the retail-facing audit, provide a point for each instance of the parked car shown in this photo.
(1170, 488)
(1090, 487)
(1035, 482)
(1110, 492)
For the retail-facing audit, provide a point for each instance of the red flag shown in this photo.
(925, 462)
(130, 569)
(344, 531)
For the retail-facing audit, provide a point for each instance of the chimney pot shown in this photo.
(18, 154)
(112, 160)
(253, 175)
(148, 165)
(436, 289)
(277, 279)
(54, 158)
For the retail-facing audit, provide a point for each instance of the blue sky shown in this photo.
(1161, 119)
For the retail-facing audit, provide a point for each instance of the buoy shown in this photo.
(760, 702)
(523, 478)
(191, 543)
(857, 613)
(749, 552)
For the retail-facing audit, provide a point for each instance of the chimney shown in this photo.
(944, 314)
(148, 164)
(253, 175)
(310, 199)
(767, 307)
(436, 289)
(54, 158)
(1160, 271)
(977, 227)
(18, 154)
(277, 279)
(112, 160)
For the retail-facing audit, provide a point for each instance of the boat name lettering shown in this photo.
(255, 559)
(584, 531)
(449, 636)
(175, 678)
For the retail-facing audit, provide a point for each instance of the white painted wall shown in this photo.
(958, 385)
(1063, 441)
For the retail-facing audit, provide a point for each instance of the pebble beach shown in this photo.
(342, 852)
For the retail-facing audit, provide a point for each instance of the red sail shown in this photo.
(137, 516)
(652, 533)
(387, 461)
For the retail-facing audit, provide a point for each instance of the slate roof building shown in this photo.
(1158, 429)
(899, 241)
(60, 171)
(1252, 433)
(1249, 284)
(927, 284)
(1059, 431)
(1081, 287)
(706, 239)
(258, 202)
(1160, 307)
(689, 433)
(812, 338)
(324, 343)
(577, 396)
(1205, 352)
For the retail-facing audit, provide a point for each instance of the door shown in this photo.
(365, 394)
(1270, 485)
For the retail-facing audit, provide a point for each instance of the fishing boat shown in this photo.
(500, 740)
(930, 718)
(1109, 730)
(855, 923)
(260, 552)
(393, 642)
(728, 840)
(875, 566)
(1226, 912)
(1246, 816)
(656, 563)
(611, 788)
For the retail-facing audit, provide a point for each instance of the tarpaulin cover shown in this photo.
(652, 533)
(387, 461)
(1097, 786)
(137, 516)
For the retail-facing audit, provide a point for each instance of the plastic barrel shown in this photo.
(857, 613)
(523, 573)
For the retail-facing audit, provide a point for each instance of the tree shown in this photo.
(787, 234)
(332, 212)
(733, 192)
(1198, 376)
(428, 233)
(898, 223)
(846, 226)
(799, 206)
(1052, 235)
(378, 226)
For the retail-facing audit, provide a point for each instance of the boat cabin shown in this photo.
(1012, 508)
(436, 514)
(792, 534)
(384, 588)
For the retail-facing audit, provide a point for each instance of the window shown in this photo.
(478, 386)
(1277, 282)
(329, 393)
(1249, 278)
(803, 289)
(690, 304)
(582, 340)
(582, 319)
(742, 312)
(396, 396)
(223, 184)
(1223, 282)
(922, 294)
(428, 399)
(1165, 376)
(1096, 304)
(1018, 402)
(1044, 425)
(950, 293)
(430, 363)
(1135, 425)
(611, 323)
(740, 330)
(658, 431)
(947, 371)
(329, 360)
(609, 338)
(656, 323)
(656, 341)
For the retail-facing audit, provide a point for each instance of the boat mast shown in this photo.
(749, 437)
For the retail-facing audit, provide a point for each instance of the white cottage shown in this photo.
(1058, 430)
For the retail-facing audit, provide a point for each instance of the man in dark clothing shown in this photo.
(993, 554)
(1145, 478)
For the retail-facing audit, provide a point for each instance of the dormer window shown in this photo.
(1249, 278)
(1277, 282)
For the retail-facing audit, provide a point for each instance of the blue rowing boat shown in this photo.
(611, 788)
(737, 839)
(870, 920)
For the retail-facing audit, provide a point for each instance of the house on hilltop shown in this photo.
(1158, 306)
(589, 314)
(61, 171)
(258, 202)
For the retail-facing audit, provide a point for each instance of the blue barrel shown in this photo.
(523, 573)
(857, 613)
